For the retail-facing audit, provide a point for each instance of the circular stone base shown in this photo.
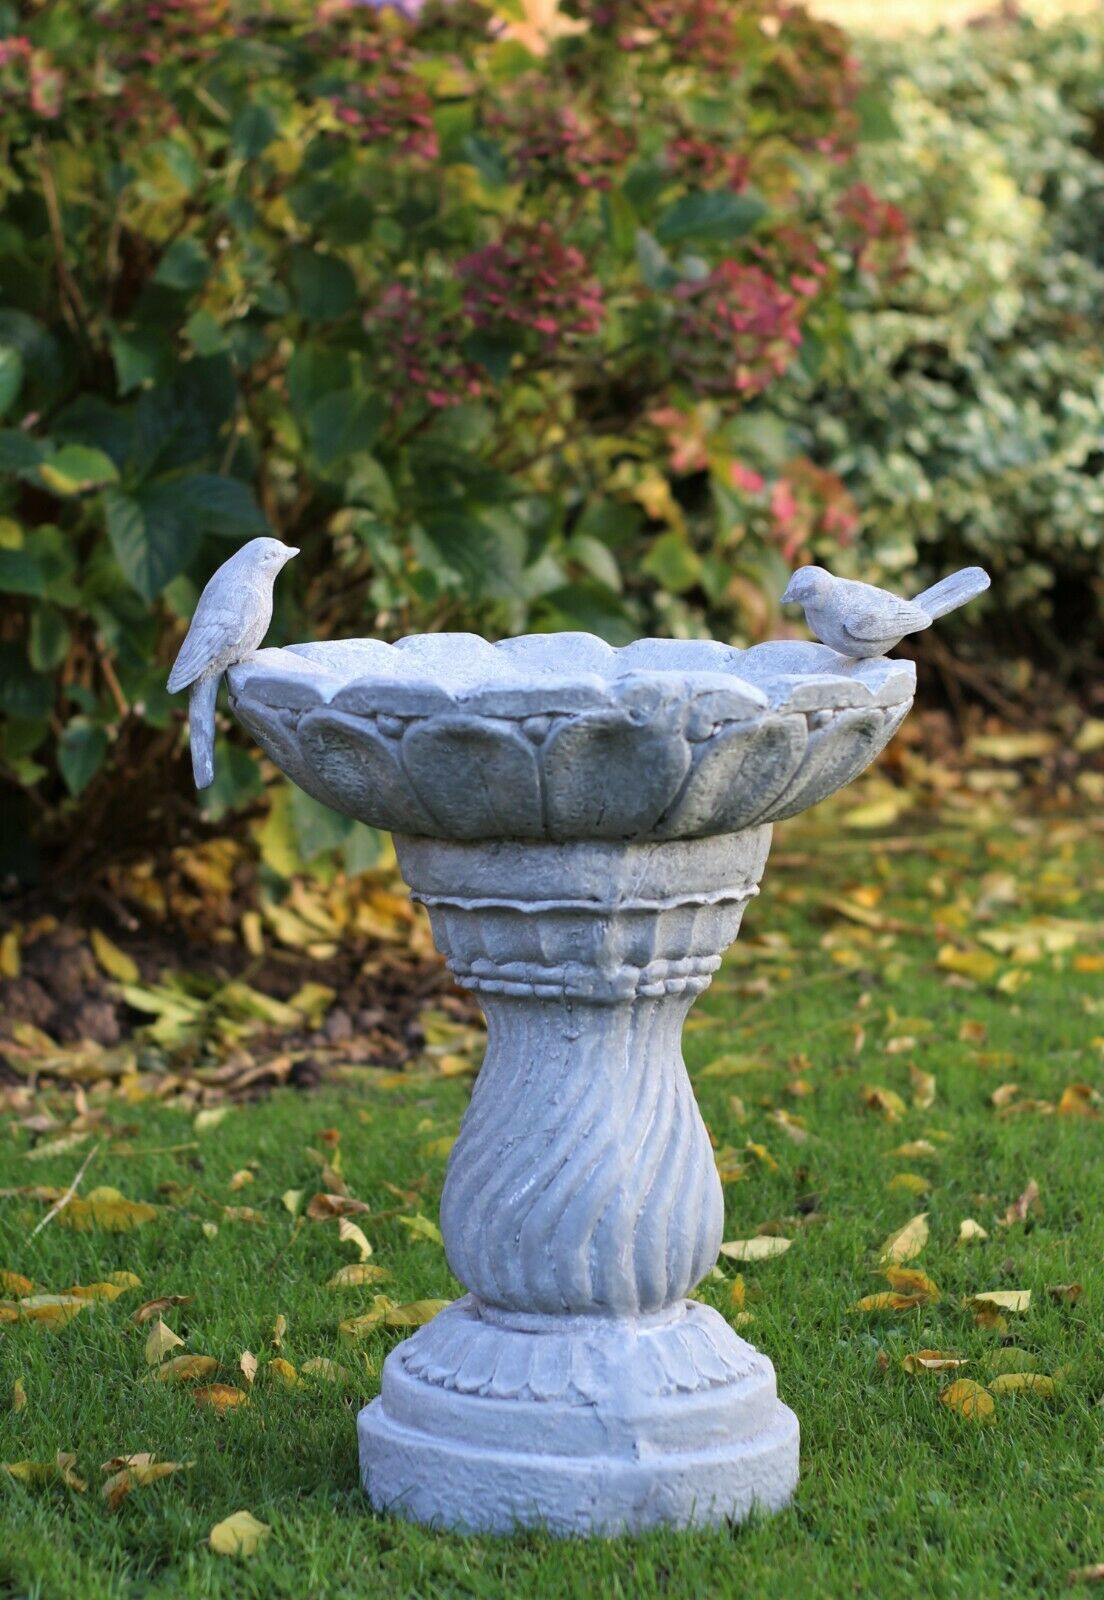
(489, 1421)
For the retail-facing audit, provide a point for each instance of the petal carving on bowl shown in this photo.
(362, 771)
(739, 773)
(837, 751)
(477, 776)
(275, 732)
(608, 777)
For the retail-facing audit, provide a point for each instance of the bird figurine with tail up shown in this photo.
(859, 620)
(230, 621)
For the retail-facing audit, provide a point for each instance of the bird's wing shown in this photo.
(216, 627)
(888, 621)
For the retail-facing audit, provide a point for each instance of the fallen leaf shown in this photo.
(976, 964)
(291, 1200)
(970, 1399)
(923, 1088)
(907, 1242)
(238, 1535)
(357, 1272)
(350, 1233)
(15, 1283)
(115, 962)
(762, 1155)
(240, 1178)
(415, 1314)
(160, 1341)
(105, 1208)
(18, 1396)
(245, 1214)
(354, 1328)
(907, 1280)
(423, 1227)
(1017, 1382)
(1004, 1094)
(206, 1121)
(154, 1308)
(51, 1310)
(1028, 1202)
(247, 1362)
(321, 1207)
(909, 1183)
(738, 1291)
(887, 1300)
(1093, 1574)
(1077, 1101)
(1065, 1293)
(323, 1367)
(283, 1371)
(933, 1361)
(221, 1397)
(96, 1291)
(885, 1101)
(912, 1150)
(279, 1328)
(1001, 1299)
(56, 1147)
(185, 1369)
(134, 1472)
(969, 1231)
(36, 1473)
(757, 1249)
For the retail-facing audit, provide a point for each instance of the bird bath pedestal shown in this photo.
(585, 826)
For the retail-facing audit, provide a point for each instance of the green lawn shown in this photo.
(899, 1494)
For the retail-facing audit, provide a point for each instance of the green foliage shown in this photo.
(966, 415)
(491, 336)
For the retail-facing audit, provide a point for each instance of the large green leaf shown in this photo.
(343, 424)
(11, 377)
(81, 751)
(152, 535)
(324, 285)
(76, 469)
(712, 214)
(221, 505)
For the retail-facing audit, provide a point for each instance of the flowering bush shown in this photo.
(492, 336)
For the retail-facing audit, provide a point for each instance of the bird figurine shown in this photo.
(859, 620)
(230, 621)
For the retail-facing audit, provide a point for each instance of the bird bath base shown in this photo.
(575, 1387)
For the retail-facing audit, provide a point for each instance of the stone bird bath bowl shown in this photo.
(585, 826)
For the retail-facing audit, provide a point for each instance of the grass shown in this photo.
(898, 1493)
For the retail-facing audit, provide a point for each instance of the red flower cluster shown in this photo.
(393, 108)
(419, 350)
(29, 76)
(551, 141)
(531, 281)
(877, 232)
(808, 503)
(736, 330)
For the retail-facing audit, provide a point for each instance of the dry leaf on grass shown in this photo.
(970, 1231)
(18, 1395)
(415, 1314)
(886, 1102)
(36, 1473)
(96, 1291)
(1000, 1300)
(279, 1328)
(423, 1228)
(1065, 1294)
(247, 1364)
(907, 1242)
(46, 1310)
(757, 1249)
(14, 1283)
(907, 1280)
(282, 1371)
(221, 1397)
(349, 1233)
(1017, 1382)
(1027, 1204)
(154, 1308)
(1093, 1574)
(105, 1208)
(238, 1535)
(888, 1300)
(1077, 1101)
(185, 1369)
(970, 1399)
(356, 1273)
(354, 1328)
(324, 1206)
(923, 1088)
(912, 1150)
(933, 1361)
(160, 1341)
(134, 1472)
(323, 1367)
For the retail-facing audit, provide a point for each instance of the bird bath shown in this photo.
(585, 827)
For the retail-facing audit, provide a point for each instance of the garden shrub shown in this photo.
(965, 412)
(493, 338)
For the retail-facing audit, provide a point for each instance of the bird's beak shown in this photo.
(291, 551)
(788, 599)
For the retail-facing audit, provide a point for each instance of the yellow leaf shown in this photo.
(910, 1183)
(762, 1155)
(134, 1472)
(210, 1230)
(245, 1214)
(976, 964)
(913, 1149)
(19, 1395)
(738, 1291)
(56, 1147)
(1001, 1299)
(238, 1535)
(105, 1208)
(323, 1367)
(1013, 981)
(415, 1313)
(247, 1362)
(279, 1328)
(283, 1371)
(221, 1397)
(160, 1341)
(15, 1283)
(886, 1300)
(240, 1178)
(354, 1328)
(154, 1308)
(423, 1228)
(907, 1242)
(11, 963)
(932, 1361)
(205, 1121)
(125, 1280)
(357, 1273)
(36, 1473)
(760, 1248)
(349, 1233)
(185, 1369)
(96, 1291)
(733, 1066)
(1077, 1101)
(907, 1280)
(51, 1310)
(1016, 1382)
(969, 1399)
(291, 1200)
(923, 1088)
(969, 1231)
(114, 961)
(885, 1101)
(437, 1149)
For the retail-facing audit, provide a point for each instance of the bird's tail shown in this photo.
(950, 593)
(201, 729)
